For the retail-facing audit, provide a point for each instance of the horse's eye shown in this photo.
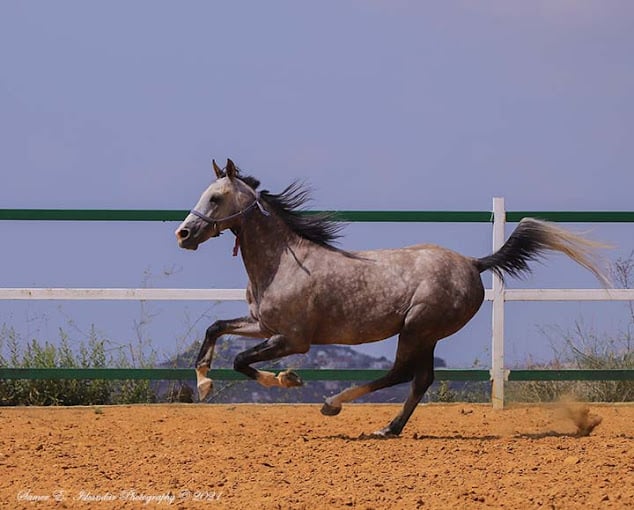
(214, 199)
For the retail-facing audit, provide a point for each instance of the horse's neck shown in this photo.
(263, 241)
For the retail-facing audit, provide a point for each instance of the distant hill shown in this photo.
(319, 356)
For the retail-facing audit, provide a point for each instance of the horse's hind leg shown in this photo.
(423, 379)
(414, 362)
(245, 326)
(404, 368)
(397, 375)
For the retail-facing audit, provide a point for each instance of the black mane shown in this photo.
(319, 228)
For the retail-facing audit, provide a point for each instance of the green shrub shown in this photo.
(581, 348)
(90, 353)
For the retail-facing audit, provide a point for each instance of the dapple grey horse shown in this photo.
(303, 290)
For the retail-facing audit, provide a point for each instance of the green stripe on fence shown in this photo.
(179, 215)
(413, 216)
(574, 216)
(222, 374)
(352, 216)
(572, 375)
(227, 374)
(92, 215)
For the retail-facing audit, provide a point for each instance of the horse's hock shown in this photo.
(290, 456)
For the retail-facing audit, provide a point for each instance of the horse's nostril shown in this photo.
(182, 234)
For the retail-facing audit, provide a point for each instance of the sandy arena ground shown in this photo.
(290, 456)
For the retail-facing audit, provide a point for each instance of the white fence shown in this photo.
(498, 295)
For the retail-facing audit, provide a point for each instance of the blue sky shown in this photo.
(378, 105)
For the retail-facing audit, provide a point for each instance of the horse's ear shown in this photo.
(231, 169)
(217, 169)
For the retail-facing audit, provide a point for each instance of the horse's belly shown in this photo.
(351, 330)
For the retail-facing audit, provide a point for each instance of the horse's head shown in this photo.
(221, 206)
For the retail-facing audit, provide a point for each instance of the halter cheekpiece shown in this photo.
(253, 204)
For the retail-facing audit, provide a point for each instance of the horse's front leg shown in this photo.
(245, 326)
(278, 346)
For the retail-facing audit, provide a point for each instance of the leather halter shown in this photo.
(253, 204)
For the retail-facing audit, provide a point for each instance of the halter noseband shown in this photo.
(211, 220)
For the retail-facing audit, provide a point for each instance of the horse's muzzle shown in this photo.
(185, 239)
(189, 238)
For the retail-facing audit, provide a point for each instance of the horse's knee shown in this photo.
(240, 361)
(215, 330)
(206, 349)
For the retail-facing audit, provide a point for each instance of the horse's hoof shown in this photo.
(385, 433)
(328, 410)
(204, 388)
(290, 379)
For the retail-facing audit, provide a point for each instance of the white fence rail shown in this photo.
(145, 294)
(84, 294)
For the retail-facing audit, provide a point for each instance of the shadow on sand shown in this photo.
(457, 437)
(373, 437)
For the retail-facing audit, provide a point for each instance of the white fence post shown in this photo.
(498, 373)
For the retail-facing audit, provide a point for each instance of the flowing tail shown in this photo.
(531, 239)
